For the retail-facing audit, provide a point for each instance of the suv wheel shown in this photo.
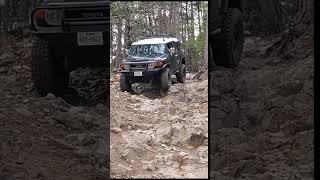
(181, 75)
(125, 84)
(228, 45)
(166, 80)
(47, 74)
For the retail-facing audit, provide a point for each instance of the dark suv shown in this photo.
(153, 59)
(67, 34)
(226, 32)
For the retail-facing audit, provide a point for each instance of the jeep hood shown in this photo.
(144, 58)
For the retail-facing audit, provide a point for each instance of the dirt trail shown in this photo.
(160, 136)
(262, 116)
(261, 113)
(48, 137)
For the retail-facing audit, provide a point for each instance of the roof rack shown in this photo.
(156, 36)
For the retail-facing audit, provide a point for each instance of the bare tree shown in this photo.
(303, 25)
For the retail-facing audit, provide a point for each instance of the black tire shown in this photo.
(211, 59)
(47, 74)
(181, 75)
(125, 84)
(228, 45)
(166, 80)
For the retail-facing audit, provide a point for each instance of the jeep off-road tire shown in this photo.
(125, 84)
(166, 80)
(228, 45)
(47, 74)
(181, 75)
(212, 64)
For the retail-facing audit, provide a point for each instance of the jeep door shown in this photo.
(179, 54)
(173, 57)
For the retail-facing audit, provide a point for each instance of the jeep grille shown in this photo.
(99, 15)
(138, 66)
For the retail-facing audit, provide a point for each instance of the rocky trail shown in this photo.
(160, 135)
(50, 137)
(262, 115)
(261, 120)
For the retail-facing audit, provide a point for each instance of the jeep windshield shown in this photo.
(147, 50)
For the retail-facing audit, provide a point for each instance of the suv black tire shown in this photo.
(47, 74)
(211, 59)
(181, 75)
(228, 45)
(166, 80)
(125, 84)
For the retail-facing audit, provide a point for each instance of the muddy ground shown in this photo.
(261, 121)
(50, 137)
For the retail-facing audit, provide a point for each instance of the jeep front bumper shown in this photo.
(140, 72)
(146, 67)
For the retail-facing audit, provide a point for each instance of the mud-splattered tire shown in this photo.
(228, 45)
(166, 80)
(47, 74)
(125, 84)
(181, 75)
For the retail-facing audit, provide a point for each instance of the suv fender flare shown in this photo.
(166, 65)
(183, 61)
(236, 4)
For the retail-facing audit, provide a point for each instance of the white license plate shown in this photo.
(137, 73)
(90, 38)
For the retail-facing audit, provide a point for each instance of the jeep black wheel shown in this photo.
(181, 75)
(211, 59)
(228, 45)
(47, 74)
(166, 80)
(125, 84)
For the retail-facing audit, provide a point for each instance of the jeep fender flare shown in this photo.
(183, 60)
(166, 66)
(236, 4)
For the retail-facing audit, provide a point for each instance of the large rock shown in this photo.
(175, 134)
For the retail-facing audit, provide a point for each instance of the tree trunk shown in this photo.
(192, 21)
(119, 42)
(128, 27)
(204, 65)
(199, 15)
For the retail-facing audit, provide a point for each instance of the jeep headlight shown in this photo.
(47, 17)
(152, 65)
(124, 66)
(157, 64)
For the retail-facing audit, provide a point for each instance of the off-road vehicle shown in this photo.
(67, 34)
(153, 58)
(226, 32)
